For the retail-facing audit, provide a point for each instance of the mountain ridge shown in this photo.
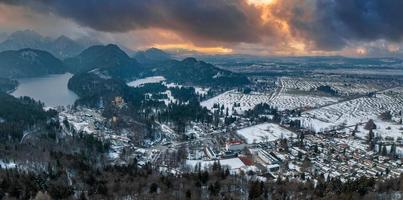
(60, 47)
(29, 63)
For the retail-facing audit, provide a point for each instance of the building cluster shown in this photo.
(316, 156)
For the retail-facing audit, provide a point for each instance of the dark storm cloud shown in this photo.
(330, 25)
(336, 22)
(372, 19)
(217, 20)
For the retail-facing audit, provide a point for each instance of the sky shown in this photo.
(256, 27)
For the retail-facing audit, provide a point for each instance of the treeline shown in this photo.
(263, 112)
(7, 85)
(327, 90)
(182, 114)
(71, 177)
(17, 115)
(334, 188)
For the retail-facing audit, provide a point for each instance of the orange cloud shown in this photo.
(270, 27)
(192, 47)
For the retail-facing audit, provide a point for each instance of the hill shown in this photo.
(100, 57)
(89, 84)
(194, 72)
(104, 71)
(18, 114)
(29, 63)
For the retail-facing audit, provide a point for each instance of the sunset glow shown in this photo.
(303, 27)
(261, 2)
(191, 47)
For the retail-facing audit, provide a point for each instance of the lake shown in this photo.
(51, 90)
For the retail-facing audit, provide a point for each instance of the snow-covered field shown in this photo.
(158, 79)
(151, 79)
(349, 113)
(264, 132)
(282, 101)
(384, 129)
(285, 101)
(229, 98)
(304, 84)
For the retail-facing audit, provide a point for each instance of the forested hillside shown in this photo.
(18, 115)
(29, 63)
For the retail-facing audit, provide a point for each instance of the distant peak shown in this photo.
(152, 54)
(25, 33)
(190, 60)
(63, 37)
(108, 47)
(112, 46)
(153, 49)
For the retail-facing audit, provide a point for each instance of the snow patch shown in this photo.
(264, 132)
(141, 82)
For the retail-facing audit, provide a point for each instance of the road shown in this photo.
(279, 89)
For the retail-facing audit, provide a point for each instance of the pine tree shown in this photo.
(370, 125)
(379, 148)
(372, 145)
(370, 136)
(393, 149)
(355, 130)
(384, 151)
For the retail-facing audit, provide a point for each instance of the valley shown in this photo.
(151, 115)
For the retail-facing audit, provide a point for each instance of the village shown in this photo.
(270, 150)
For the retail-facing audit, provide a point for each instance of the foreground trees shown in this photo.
(116, 182)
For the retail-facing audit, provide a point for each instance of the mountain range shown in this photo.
(111, 61)
(104, 61)
(61, 47)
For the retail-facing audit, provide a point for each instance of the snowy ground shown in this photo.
(264, 132)
(151, 79)
(7, 165)
(229, 98)
(283, 98)
(292, 101)
(201, 90)
(160, 79)
(349, 113)
(85, 120)
(345, 88)
(232, 163)
(389, 129)
(170, 99)
(281, 101)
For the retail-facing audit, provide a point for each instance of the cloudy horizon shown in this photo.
(255, 27)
